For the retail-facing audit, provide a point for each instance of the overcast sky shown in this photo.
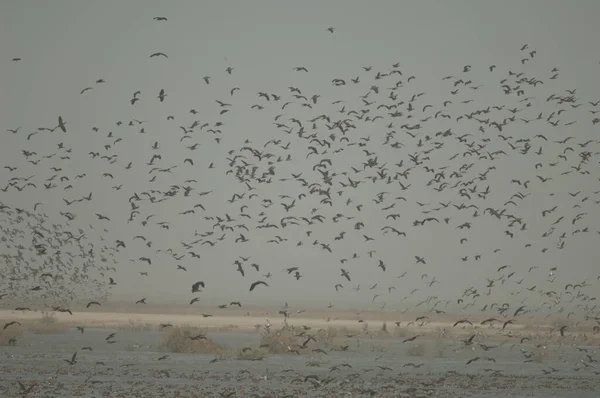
(67, 46)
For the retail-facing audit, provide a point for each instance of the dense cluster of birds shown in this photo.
(52, 261)
(386, 164)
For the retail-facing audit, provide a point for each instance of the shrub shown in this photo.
(277, 342)
(333, 335)
(47, 324)
(178, 339)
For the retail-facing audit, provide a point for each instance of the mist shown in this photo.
(249, 166)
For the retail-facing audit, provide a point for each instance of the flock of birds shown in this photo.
(386, 164)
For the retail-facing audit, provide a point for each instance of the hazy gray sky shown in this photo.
(66, 46)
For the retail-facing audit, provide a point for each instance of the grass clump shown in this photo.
(47, 324)
(277, 342)
(336, 338)
(178, 339)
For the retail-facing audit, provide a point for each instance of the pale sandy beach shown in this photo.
(441, 327)
(242, 322)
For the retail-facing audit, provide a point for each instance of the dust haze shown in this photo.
(388, 147)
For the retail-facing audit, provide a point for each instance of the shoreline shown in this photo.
(224, 321)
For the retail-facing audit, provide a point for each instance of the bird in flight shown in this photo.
(253, 285)
(61, 124)
(72, 361)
